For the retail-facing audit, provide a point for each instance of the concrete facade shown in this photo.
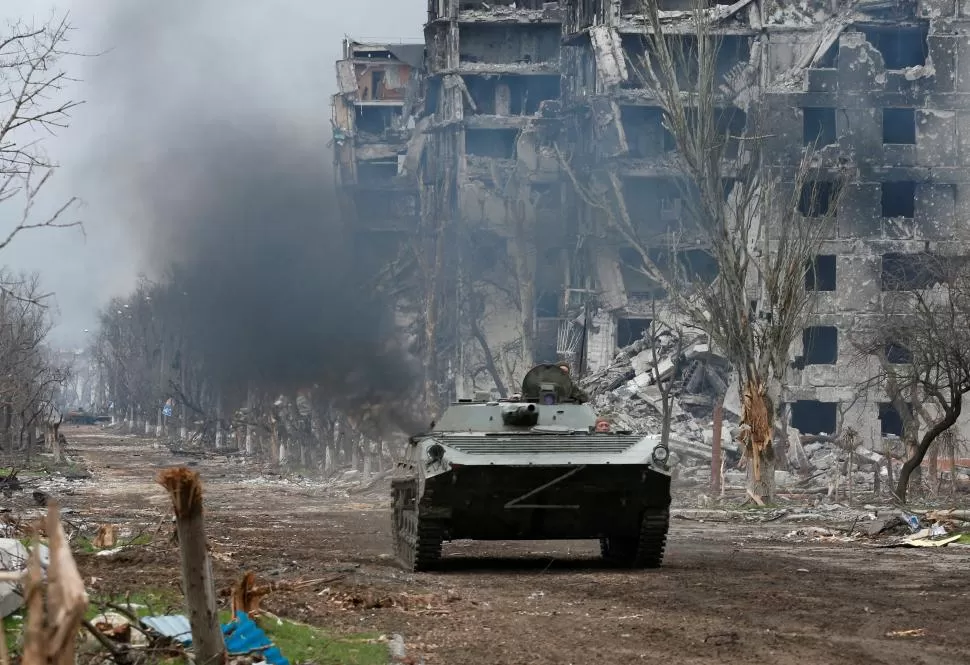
(512, 87)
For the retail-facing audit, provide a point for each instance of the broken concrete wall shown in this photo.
(870, 85)
(601, 343)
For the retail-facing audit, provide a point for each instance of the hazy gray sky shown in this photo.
(252, 55)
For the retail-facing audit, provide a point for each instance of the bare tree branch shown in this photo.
(32, 103)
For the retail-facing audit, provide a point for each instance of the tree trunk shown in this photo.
(56, 446)
(185, 490)
(525, 270)
(934, 469)
(274, 445)
(490, 364)
(716, 447)
(762, 485)
(848, 465)
(6, 440)
(31, 439)
(887, 451)
(915, 459)
(365, 473)
(668, 416)
(757, 424)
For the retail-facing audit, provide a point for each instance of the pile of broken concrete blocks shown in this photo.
(626, 391)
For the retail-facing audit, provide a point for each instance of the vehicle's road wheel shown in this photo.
(646, 550)
(417, 539)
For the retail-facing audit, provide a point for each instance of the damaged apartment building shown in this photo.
(509, 90)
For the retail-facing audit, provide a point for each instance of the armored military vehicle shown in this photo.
(531, 468)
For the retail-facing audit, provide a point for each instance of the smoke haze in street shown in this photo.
(167, 74)
(212, 155)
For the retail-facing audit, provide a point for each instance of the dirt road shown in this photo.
(728, 593)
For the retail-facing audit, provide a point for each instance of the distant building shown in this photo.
(528, 270)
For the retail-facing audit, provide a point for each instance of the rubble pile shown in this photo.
(628, 393)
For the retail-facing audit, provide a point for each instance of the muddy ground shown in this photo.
(727, 593)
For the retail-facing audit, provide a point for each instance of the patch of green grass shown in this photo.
(301, 643)
(964, 539)
(140, 539)
(13, 628)
(85, 545)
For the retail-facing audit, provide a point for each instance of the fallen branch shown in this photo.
(246, 596)
(944, 515)
(118, 653)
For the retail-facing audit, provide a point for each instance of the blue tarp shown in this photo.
(242, 635)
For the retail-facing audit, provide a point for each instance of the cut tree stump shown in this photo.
(185, 490)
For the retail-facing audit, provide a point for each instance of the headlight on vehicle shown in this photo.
(660, 454)
(436, 453)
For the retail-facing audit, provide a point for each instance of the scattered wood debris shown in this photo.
(246, 596)
(106, 537)
(914, 632)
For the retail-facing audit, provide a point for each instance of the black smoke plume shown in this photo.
(272, 289)
(217, 152)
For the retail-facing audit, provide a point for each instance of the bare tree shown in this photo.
(664, 376)
(760, 223)
(29, 375)
(922, 343)
(32, 104)
(149, 355)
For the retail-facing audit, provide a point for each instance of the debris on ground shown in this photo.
(930, 537)
(914, 632)
(883, 524)
(371, 599)
(397, 649)
(106, 537)
(625, 391)
(246, 596)
(14, 557)
(244, 638)
(172, 626)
